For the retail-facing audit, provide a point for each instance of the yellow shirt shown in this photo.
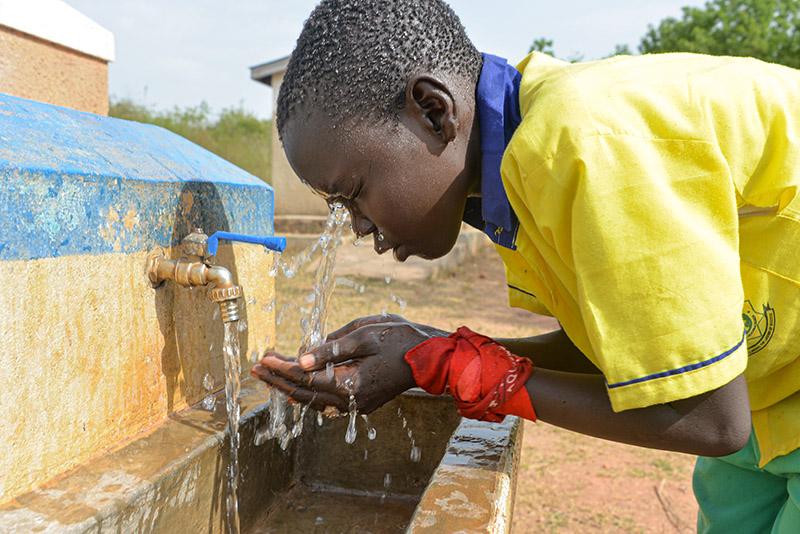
(659, 222)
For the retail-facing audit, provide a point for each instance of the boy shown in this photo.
(648, 203)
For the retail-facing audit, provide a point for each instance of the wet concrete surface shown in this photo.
(173, 478)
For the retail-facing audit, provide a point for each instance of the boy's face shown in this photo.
(405, 184)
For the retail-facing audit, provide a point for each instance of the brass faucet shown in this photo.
(196, 268)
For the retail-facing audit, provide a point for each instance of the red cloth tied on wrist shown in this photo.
(486, 380)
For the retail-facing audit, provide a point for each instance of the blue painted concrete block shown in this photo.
(74, 183)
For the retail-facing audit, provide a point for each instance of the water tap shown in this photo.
(196, 267)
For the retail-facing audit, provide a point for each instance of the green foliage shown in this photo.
(764, 29)
(621, 50)
(542, 44)
(235, 135)
(545, 45)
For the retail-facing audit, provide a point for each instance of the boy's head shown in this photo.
(376, 111)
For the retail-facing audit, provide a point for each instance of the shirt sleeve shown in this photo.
(653, 238)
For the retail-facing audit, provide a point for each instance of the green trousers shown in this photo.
(736, 496)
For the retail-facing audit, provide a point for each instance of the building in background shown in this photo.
(53, 53)
(292, 197)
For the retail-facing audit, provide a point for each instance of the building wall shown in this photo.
(292, 197)
(40, 70)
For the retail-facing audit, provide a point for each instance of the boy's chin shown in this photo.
(402, 252)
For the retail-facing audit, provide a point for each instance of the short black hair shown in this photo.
(353, 57)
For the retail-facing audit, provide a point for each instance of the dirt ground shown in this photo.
(567, 482)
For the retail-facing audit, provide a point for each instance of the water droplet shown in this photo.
(209, 403)
(329, 371)
(387, 279)
(319, 418)
(358, 240)
(208, 382)
(380, 236)
(387, 480)
(350, 435)
(416, 454)
(261, 436)
(366, 454)
(399, 301)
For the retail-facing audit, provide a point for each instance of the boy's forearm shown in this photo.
(553, 351)
(713, 424)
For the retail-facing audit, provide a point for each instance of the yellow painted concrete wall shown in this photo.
(292, 197)
(92, 355)
(40, 70)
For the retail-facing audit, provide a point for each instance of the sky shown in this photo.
(183, 52)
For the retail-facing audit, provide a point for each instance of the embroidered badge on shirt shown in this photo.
(759, 325)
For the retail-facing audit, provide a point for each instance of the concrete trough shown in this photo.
(173, 479)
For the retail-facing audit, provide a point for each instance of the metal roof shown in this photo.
(263, 72)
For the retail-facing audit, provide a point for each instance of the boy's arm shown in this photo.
(716, 423)
(552, 350)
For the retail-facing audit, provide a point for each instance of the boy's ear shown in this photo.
(430, 101)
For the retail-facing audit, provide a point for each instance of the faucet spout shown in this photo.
(188, 273)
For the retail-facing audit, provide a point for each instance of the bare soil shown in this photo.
(567, 482)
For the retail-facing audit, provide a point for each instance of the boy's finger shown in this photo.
(318, 400)
(357, 344)
(355, 324)
(316, 380)
(286, 368)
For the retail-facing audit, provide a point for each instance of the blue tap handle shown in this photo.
(278, 244)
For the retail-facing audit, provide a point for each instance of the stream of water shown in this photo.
(285, 422)
(312, 321)
(233, 372)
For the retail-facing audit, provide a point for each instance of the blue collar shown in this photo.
(497, 103)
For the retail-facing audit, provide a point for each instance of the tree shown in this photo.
(234, 134)
(542, 44)
(764, 29)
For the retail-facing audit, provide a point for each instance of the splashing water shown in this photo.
(209, 402)
(401, 303)
(371, 432)
(314, 333)
(352, 411)
(312, 321)
(416, 453)
(233, 371)
(341, 281)
(329, 371)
